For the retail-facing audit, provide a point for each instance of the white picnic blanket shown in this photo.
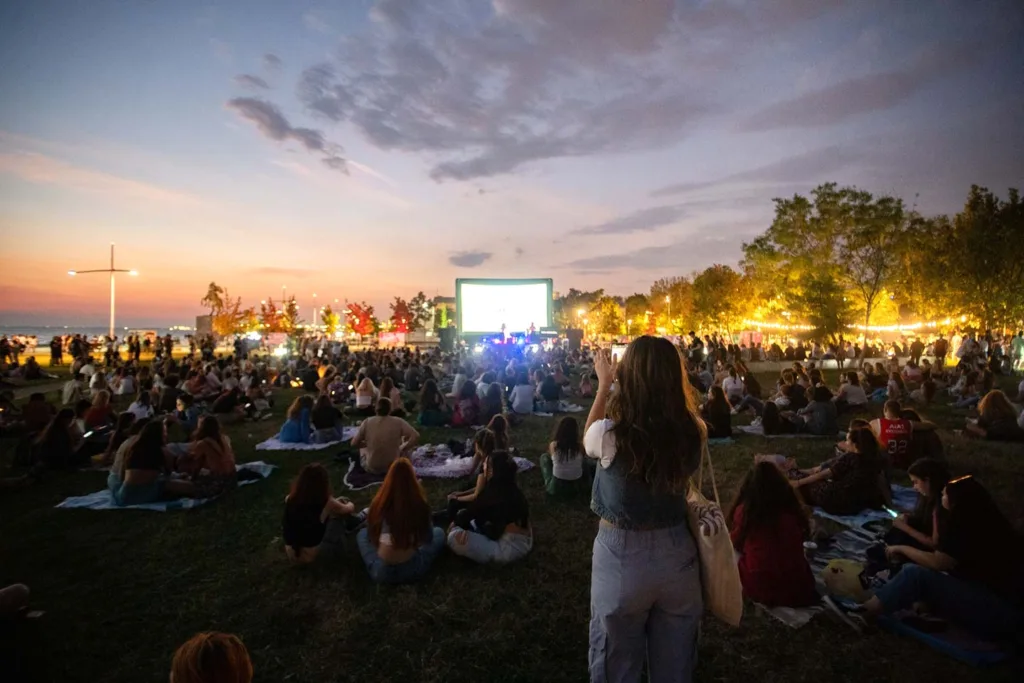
(758, 430)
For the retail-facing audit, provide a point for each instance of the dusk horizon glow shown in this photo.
(371, 149)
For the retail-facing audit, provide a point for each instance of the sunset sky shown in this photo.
(361, 149)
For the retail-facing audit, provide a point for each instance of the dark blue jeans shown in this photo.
(408, 571)
(967, 603)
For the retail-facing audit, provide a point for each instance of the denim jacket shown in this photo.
(625, 500)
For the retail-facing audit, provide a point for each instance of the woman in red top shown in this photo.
(768, 529)
(100, 414)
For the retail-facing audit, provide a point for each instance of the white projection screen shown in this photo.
(484, 305)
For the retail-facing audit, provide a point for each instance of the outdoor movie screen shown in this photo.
(484, 305)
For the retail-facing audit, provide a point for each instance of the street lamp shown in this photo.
(111, 270)
(314, 310)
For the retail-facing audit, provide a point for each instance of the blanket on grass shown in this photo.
(102, 500)
(903, 499)
(430, 462)
(273, 444)
(563, 407)
(758, 430)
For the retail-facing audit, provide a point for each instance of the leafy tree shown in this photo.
(270, 317)
(671, 301)
(214, 299)
(823, 303)
(361, 319)
(720, 298)
(606, 316)
(401, 315)
(330, 319)
(291, 319)
(421, 310)
(984, 256)
(228, 317)
(567, 308)
(869, 250)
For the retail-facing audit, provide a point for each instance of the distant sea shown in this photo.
(45, 333)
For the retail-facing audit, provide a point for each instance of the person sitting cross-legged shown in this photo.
(399, 543)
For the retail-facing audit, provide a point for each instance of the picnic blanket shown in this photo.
(429, 461)
(723, 440)
(274, 444)
(903, 499)
(955, 642)
(758, 430)
(103, 500)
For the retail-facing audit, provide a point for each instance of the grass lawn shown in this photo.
(122, 589)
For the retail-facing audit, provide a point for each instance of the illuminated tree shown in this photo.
(291, 319)
(720, 299)
(606, 316)
(671, 302)
(422, 312)
(330, 319)
(401, 316)
(361, 319)
(270, 317)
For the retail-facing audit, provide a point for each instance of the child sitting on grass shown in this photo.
(562, 466)
(769, 526)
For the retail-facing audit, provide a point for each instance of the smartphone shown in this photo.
(87, 435)
(618, 351)
(892, 513)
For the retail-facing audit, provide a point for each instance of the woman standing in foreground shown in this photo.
(645, 589)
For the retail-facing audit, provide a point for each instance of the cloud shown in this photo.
(852, 97)
(692, 253)
(316, 23)
(644, 220)
(519, 251)
(42, 169)
(253, 82)
(809, 166)
(469, 259)
(272, 62)
(269, 120)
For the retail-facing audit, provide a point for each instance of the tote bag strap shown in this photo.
(705, 456)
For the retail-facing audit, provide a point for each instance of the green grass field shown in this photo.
(122, 589)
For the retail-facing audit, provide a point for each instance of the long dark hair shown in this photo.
(567, 439)
(771, 421)
(208, 428)
(973, 514)
(121, 430)
(312, 487)
(430, 397)
(499, 426)
(62, 420)
(936, 474)
(657, 430)
(151, 438)
(501, 489)
(765, 495)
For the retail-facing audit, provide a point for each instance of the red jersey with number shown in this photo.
(894, 437)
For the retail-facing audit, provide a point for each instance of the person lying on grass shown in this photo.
(997, 419)
(309, 509)
(563, 465)
(495, 526)
(400, 542)
(768, 527)
(975, 575)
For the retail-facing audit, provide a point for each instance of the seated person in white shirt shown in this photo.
(732, 385)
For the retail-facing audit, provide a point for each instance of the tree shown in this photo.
(606, 316)
(214, 299)
(869, 251)
(361, 319)
(671, 301)
(568, 308)
(823, 303)
(720, 298)
(270, 317)
(330, 319)
(228, 317)
(984, 257)
(291, 319)
(422, 312)
(401, 315)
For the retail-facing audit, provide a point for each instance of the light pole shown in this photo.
(314, 311)
(111, 270)
(668, 300)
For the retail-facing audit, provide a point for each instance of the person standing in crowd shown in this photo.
(645, 590)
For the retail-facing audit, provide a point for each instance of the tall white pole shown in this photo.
(111, 289)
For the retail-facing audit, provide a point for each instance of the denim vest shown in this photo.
(629, 503)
